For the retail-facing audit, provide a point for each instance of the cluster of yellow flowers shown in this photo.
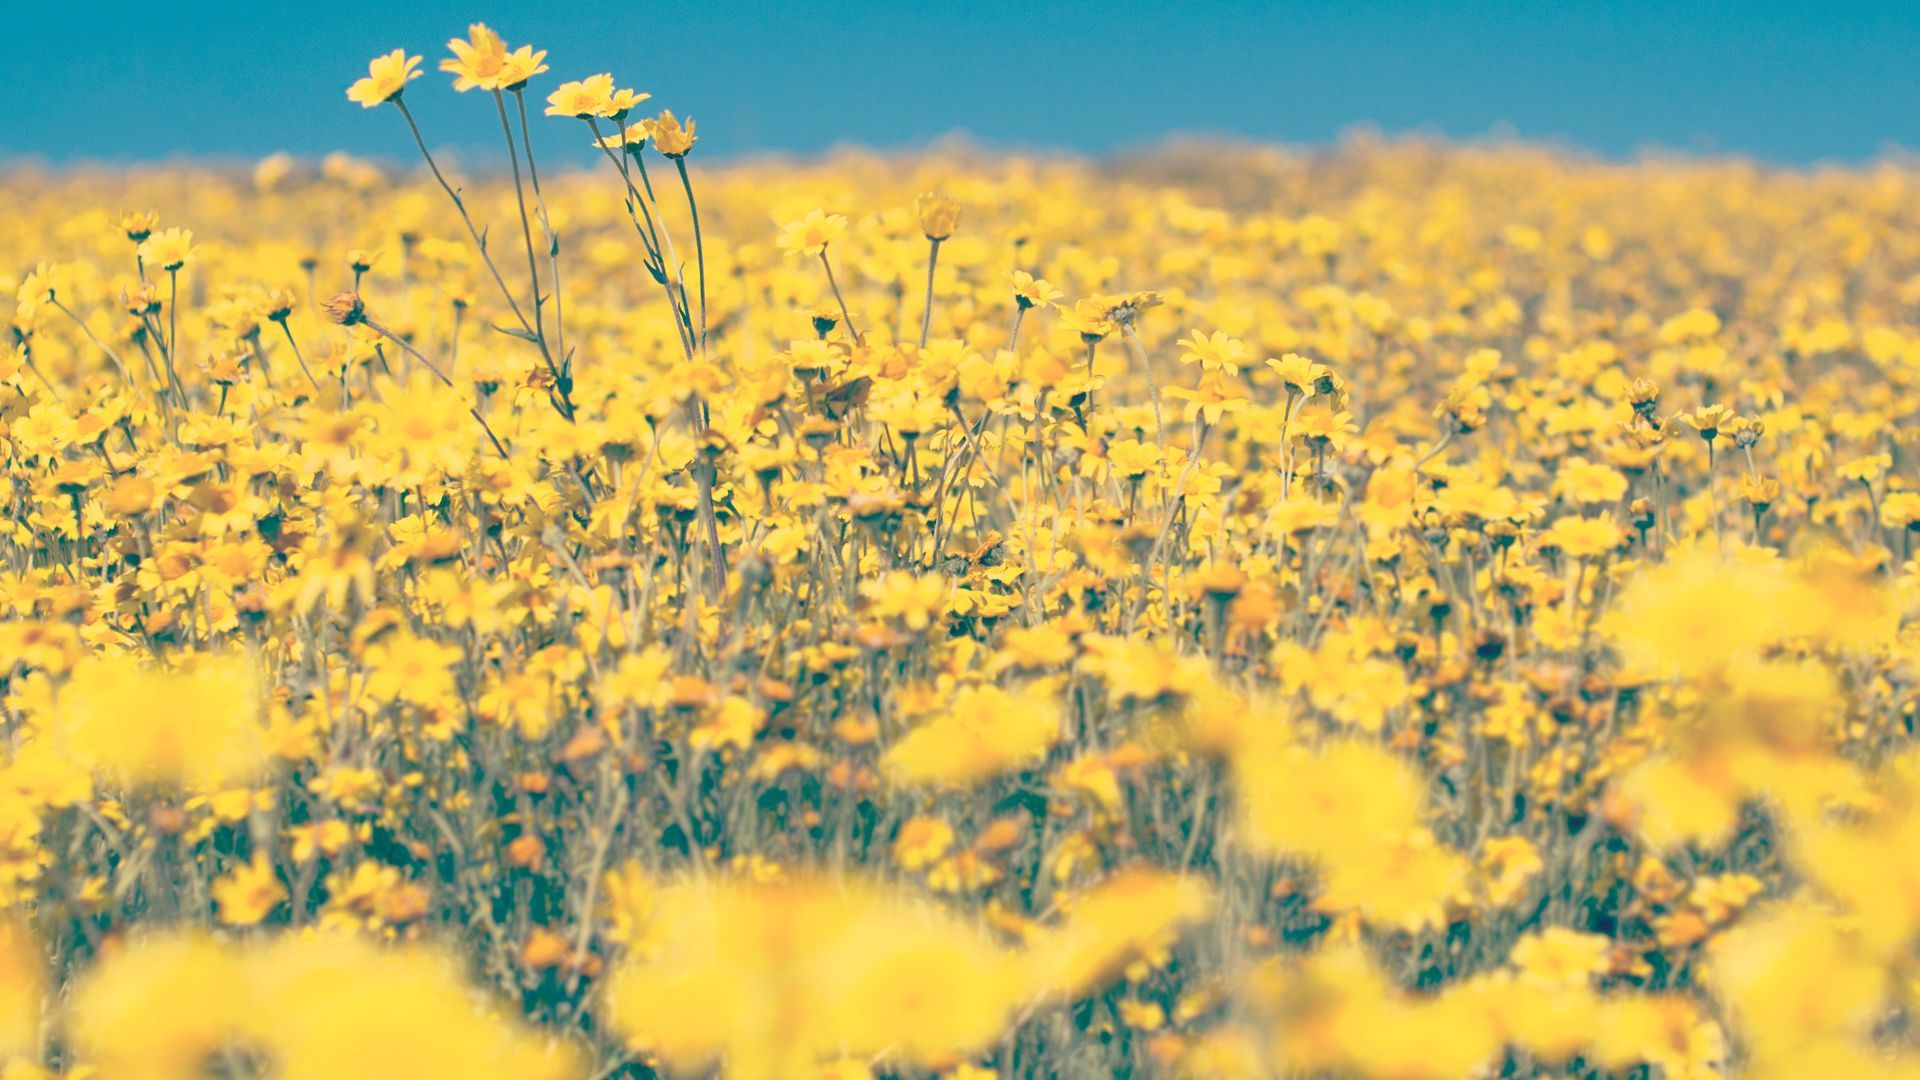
(1402, 612)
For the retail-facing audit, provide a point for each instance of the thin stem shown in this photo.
(844, 315)
(699, 248)
(666, 243)
(91, 336)
(407, 346)
(553, 240)
(1092, 344)
(1713, 497)
(1153, 388)
(304, 370)
(472, 230)
(649, 234)
(926, 317)
(173, 333)
(526, 226)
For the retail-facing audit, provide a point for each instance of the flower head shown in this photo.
(583, 99)
(477, 61)
(169, 249)
(386, 77)
(811, 233)
(345, 309)
(521, 65)
(939, 214)
(1216, 352)
(670, 137)
(1032, 292)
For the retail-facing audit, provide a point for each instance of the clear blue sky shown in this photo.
(1783, 81)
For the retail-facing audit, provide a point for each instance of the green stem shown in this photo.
(926, 318)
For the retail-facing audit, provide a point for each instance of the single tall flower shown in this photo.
(169, 249)
(939, 214)
(1033, 292)
(811, 233)
(670, 138)
(477, 62)
(386, 77)
(520, 65)
(584, 99)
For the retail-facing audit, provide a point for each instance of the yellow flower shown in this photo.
(1090, 319)
(331, 1005)
(387, 77)
(939, 214)
(1558, 958)
(169, 249)
(915, 600)
(1215, 352)
(1586, 482)
(780, 978)
(22, 982)
(583, 99)
(1584, 538)
(158, 1009)
(1301, 376)
(1708, 420)
(670, 137)
(1130, 917)
(1318, 803)
(811, 233)
(1403, 882)
(1509, 864)
(477, 61)
(249, 893)
(1031, 292)
(200, 722)
(634, 134)
(921, 841)
(519, 66)
(983, 732)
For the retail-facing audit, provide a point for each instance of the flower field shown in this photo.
(1397, 611)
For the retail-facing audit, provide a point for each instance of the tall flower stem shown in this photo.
(1153, 387)
(553, 239)
(408, 348)
(563, 405)
(926, 317)
(304, 369)
(845, 317)
(649, 234)
(526, 237)
(173, 334)
(699, 247)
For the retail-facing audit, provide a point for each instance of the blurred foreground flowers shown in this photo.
(1396, 612)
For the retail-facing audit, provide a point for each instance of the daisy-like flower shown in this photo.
(583, 99)
(521, 65)
(476, 62)
(168, 249)
(1032, 292)
(635, 134)
(624, 102)
(811, 233)
(387, 77)
(1214, 352)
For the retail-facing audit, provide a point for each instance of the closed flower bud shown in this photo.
(1644, 396)
(344, 309)
(939, 215)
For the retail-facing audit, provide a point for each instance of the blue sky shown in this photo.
(1785, 82)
